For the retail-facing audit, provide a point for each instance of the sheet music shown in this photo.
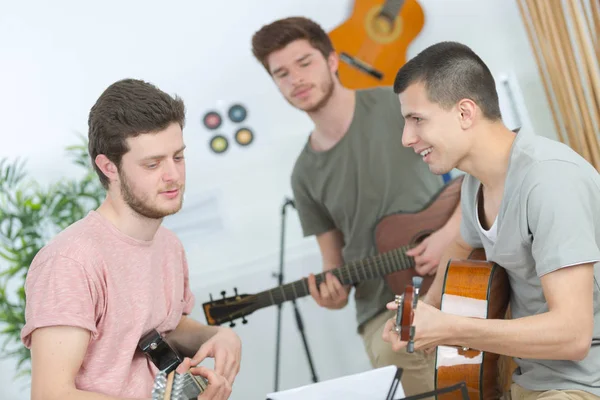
(369, 385)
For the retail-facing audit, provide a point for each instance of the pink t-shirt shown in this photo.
(93, 276)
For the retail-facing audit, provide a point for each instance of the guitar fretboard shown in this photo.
(391, 8)
(360, 270)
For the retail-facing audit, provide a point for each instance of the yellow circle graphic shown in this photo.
(219, 144)
(244, 136)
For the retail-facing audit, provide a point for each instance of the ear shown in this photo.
(468, 111)
(107, 167)
(333, 61)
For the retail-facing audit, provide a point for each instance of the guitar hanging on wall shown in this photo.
(372, 43)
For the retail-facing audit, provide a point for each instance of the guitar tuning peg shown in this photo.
(232, 324)
(210, 296)
(244, 321)
(235, 291)
(223, 293)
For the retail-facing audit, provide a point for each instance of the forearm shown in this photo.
(75, 394)
(190, 335)
(542, 336)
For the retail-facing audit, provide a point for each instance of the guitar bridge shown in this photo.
(361, 65)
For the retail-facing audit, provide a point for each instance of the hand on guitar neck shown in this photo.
(411, 312)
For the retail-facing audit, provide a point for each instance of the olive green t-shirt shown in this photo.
(365, 176)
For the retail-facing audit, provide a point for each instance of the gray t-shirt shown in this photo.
(549, 218)
(368, 174)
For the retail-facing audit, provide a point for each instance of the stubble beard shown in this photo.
(141, 204)
(327, 88)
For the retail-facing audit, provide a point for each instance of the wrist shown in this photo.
(432, 298)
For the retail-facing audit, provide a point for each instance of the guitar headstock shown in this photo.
(407, 303)
(227, 309)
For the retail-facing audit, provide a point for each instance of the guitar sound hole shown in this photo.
(420, 237)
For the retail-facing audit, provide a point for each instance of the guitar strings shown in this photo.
(395, 260)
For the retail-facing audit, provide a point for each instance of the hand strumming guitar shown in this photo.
(226, 349)
(428, 253)
(218, 387)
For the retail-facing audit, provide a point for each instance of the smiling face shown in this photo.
(304, 77)
(151, 177)
(440, 136)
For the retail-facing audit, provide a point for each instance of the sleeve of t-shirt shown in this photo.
(468, 227)
(59, 291)
(562, 213)
(188, 297)
(314, 218)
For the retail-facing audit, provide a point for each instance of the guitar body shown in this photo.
(378, 43)
(479, 289)
(401, 229)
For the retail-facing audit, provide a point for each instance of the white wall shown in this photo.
(57, 57)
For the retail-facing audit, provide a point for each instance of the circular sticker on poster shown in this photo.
(212, 120)
(219, 144)
(244, 136)
(237, 113)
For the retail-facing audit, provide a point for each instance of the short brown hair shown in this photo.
(128, 108)
(278, 34)
(451, 71)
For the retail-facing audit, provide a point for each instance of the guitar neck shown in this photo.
(391, 8)
(351, 273)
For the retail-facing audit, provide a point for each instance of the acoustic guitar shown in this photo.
(394, 235)
(472, 288)
(372, 43)
(169, 384)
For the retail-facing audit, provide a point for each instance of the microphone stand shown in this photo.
(288, 202)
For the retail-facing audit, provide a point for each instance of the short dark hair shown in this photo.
(451, 71)
(280, 33)
(128, 108)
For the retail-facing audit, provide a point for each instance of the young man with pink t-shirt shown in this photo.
(96, 288)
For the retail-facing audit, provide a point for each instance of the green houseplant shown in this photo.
(30, 215)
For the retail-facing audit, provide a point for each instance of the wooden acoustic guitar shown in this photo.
(472, 288)
(394, 235)
(169, 384)
(372, 43)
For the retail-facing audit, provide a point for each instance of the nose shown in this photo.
(296, 77)
(171, 171)
(409, 139)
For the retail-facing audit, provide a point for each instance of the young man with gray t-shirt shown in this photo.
(532, 204)
(351, 172)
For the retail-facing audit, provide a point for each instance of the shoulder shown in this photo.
(552, 164)
(168, 239)
(378, 94)
(303, 162)
(78, 243)
(553, 180)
